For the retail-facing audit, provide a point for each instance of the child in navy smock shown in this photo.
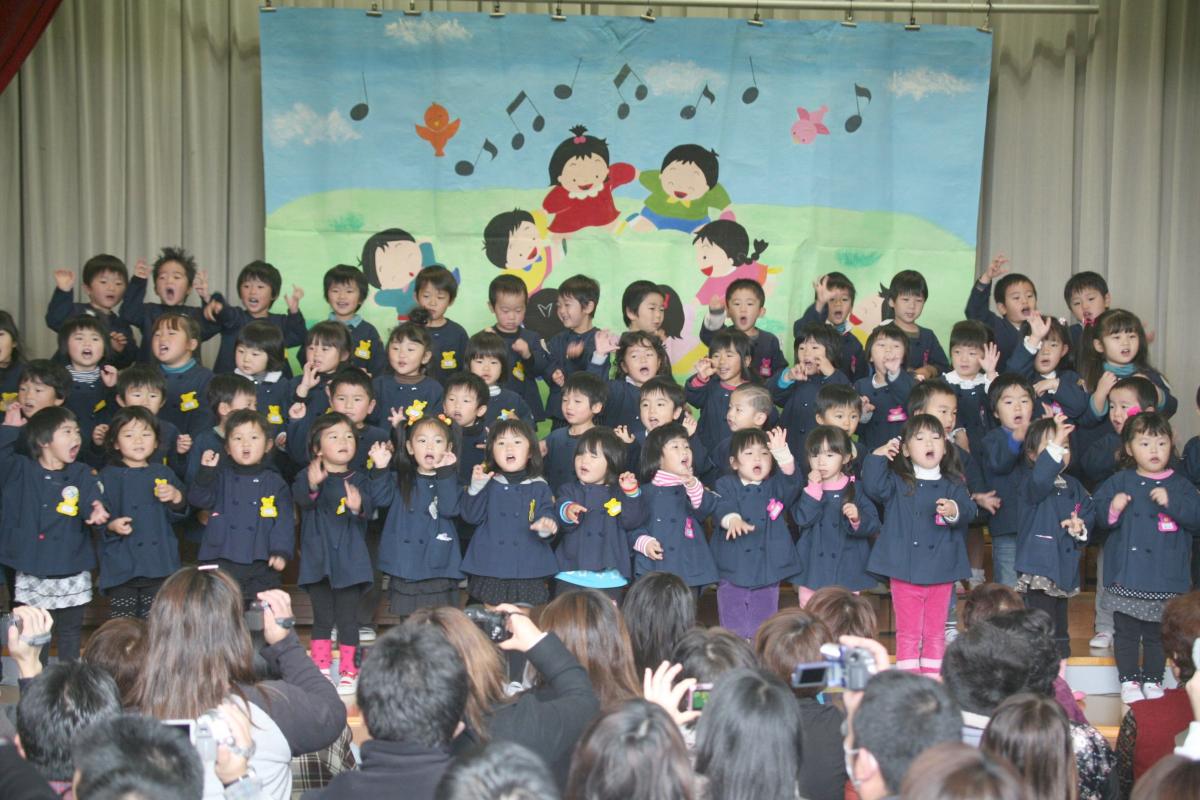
(138, 548)
(50, 503)
(104, 281)
(885, 388)
(1055, 517)
(404, 382)
(508, 297)
(640, 357)
(175, 275)
(259, 358)
(511, 505)
(833, 300)
(346, 289)
(258, 286)
(1043, 358)
(726, 367)
(1151, 511)
(487, 357)
(326, 350)
(1016, 300)
(1004, 469)
(752, 546)
(83, 346)
(335, 502)
(250, 530)
(678, 503)
(905, 298)
(571, 349)
(973, 361)
(835, 518)
(435, 289)
(174, 339)
(921, 548)
(12, 360)
(795, 390)
(583, 399)
(744, 303)
(596, 512)
(144, 386)
(351, 393)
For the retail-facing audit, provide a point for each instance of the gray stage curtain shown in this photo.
(136, 123)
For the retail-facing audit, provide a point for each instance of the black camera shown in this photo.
(9, 620)
(494, 624)
(254, 618)
(844, 667)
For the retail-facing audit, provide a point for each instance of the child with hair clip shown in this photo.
(436, 290)
(487, 357)
(83, 344)
(833, 300)
(744, 303)
(973, 360)
(259, 358)
(836, 521)
(906, 296)
(511, 505)
(885, 389)
(104, 281)
(508, 297)
(258, 285)
(12, 359)
(326, 348)
(583, 182)
(1150, 510)
(1011, 398)
(404, 382)
(596, 513)
(678, 503)
(583, 399)
(728, 360)
(334, 501)
(174, 339)
(419, 548)
(795, 390)
(1044, 358)
(754, 552)
(1056, 514)
(572, 349)
(138, 548)
(921, 548)
(1016, 300)
(346, 290)
(640, 356)
(250, 531)
(175, 275)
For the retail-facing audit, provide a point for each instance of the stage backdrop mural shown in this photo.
(601, 145)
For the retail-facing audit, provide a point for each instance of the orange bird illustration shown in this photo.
(438, 129)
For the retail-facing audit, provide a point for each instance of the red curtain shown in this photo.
(21, 24)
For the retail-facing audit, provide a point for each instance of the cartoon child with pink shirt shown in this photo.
(724, 256)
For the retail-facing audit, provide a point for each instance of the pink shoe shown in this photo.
(347, 683)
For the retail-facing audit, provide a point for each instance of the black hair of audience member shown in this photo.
(1035, 628)
(136, 757)
(900, 716)
(956, 771)
(987, 664)
(633, 752)
(413, 687)
(748, 738)
(498, 771)
(57, 704)
(659, 609)
(1033, 734)
(708, 653)
(1172, 778)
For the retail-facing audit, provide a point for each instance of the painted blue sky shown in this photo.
(918, 149)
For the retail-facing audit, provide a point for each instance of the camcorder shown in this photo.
(846, 668)
(9, 620)
(254, 618)
(205, 733)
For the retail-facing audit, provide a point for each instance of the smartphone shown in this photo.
(698, 696)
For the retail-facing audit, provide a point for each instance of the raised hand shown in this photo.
(293, 299)
(737, 527)
(659, 687)
(380, 454)
(316, 472)
(689, 423)
(573, 512)
(1104, 385)
(607, 342)
(558, 377)
(64, 280)
(98, 434)
(995, 269)
(544, 527)
(814, 476)
(141, 269)
(277, 563)
(209, 458)
(521, 348)
(850, 512)
(1039, 327)
(716, 304)
(480, 474)
(1074, 526)
(13, 417)
(1062, 430)
(777, 439)
(543, 448)
(704, 368)
(1120, 502)
(117, 341)
(821, 292)
(797, 373)
(991, 358)
(99, 514)
(297, 410)
(448, 459)
(628, 482)
(622, 432)
(122, 526)
(309, 379)
(201, 286)
(108, 375)
(889, 449)
(353, 498)
(867, 406)
(212, 308)
(1043, 386)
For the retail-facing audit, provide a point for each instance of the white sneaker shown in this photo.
(347, 683)
(366, 634)
(1101, 641)
(333, 635)
(951, 634)
(1131, 692)
(1152, 691)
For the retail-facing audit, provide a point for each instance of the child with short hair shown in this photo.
(571, 349)
(12, 359)
(640, 356)
(174, 338)
(224, 395)
(405, 382)
(839, 405)
(326, 349)
(682, 191)
(259, 357)
(507, 300)
(973, 360)
(143, 386)
(104, 282)
(258, 285)
(661, 402)
(885, 390)
(1148, 508)
(1016, 300)
(466, 404)
(346, 290)
(755, 552)
(138, 548)
(833, 302)
(82, 343)
(351, 394)
(728, 360)
(50, 502)
(583, 399)
(745, 303)
(43, 383)
(250, 531)
(175, 275)
(1086, 294)
(906, 296)
(487, 357)
(750, 407)
(795, 390)
(926, 508)
(1044, 358)
(1011, 398)
(509, 557)
(643, 306)
(436, 290)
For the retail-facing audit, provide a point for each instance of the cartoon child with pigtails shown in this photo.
(682, 192)
(723, 253)
(583, 182)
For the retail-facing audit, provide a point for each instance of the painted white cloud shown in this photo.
(422, 31)
(684, 78)
(918, 82)
(306, 126)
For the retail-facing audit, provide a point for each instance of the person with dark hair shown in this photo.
(795, 390)
(499, 771)
(351, 393)
(833, 300)
(1016, 300)
(1172, 778)
(973, 366)
(258, 286)
(259, 358)
(175, 274)
(986, 601)
(899, 716)
(466, 404)
(708, 653)
(144, 386)
(726, 367)
(1032, 733)
(905, 297)
(659, 610)
(43, 383)
(119, 648)
(224, 395)
(528, 357)
(1004, 470)
(487, 356)
(104, 281)
(83, 349)
(403, 383)
(591, 627)
(583, 181)
(682, 191)
(745, 303)
(640, 357)
(174, 341)
(412, 693)
(885, 387)
(136, 757)
(843, 612)
(12, 359)
(345, 288)
(1045, 358)
(953, 771)
(436, 290)
(634, 752)
(583, 399)
(574, 348)
(1086, 294)
(326, 350)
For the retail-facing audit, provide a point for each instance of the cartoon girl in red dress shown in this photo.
(583, 184)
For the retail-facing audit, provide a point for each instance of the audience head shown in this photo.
(659, 609)
(63, 700)
(1180, 629)
(955, 771)
(1172, 778)
(843, 612)
(899, 716)
(790, 637)
(136, 758)
(632, 753)
(748, 738)
(590, 626)
(995, 659)
(499, 771)
(986, 601)
(1033, 734)
(413, 687)
(708, 653)
(119, 648)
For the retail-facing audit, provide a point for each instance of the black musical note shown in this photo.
(639, 93)
(539, 122)
(466, 167)
(687, 112)
(360, 110)
(563, 91)
(751, 93)
(854, 121)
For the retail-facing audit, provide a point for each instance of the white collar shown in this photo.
(925, 474)
(595, 190)
(954, 379)
(494, 390)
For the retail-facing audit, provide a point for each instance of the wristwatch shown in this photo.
(247, 787)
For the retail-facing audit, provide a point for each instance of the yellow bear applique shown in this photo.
(613, 507)
(508, 413)
(274, 415)
(96, 409)
(341, 509)
(518, 371)
(448, 359)
(5, 399)
(363, 350)
(267, 509)
(188, 401)
(70, 503)
(160, 482)
(415, 410)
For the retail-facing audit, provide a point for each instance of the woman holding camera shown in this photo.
(199, 655)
